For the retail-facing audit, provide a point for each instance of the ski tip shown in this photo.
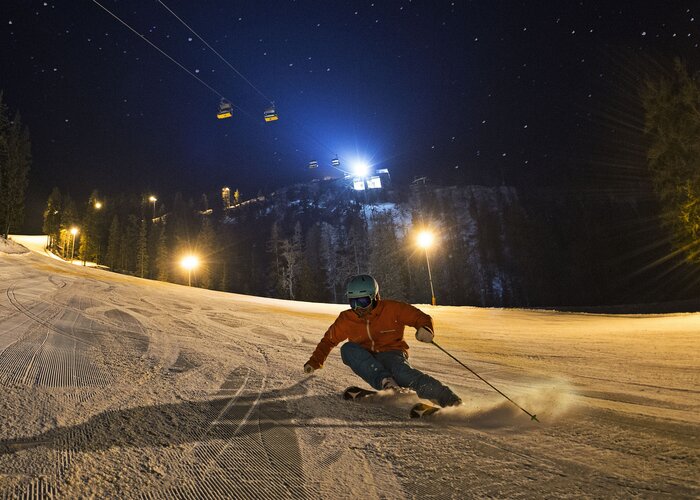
(534, 417)
(421, 410)
(354, 392)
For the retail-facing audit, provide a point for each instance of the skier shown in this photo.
(375, 348)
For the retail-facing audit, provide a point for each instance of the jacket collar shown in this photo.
(377, 310)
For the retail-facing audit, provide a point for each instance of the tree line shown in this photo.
(15, 162)
(288, 246)
(495, 246)
(672, 121)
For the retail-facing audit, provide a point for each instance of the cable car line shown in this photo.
(225, 106)
(335, 162)
(215, 52)
(302, 129)
(161, 51)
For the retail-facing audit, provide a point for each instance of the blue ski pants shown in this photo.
(375, 367)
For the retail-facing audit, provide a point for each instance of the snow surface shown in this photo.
(117, 387)
(9, 246)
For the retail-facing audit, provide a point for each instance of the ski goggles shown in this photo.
(360, 302)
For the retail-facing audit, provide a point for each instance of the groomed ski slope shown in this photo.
(117, 387)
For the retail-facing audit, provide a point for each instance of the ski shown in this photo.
(421, 410)
(353, 393)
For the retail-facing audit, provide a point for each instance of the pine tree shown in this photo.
(129, 241)
(113, 243)
(312, 275)
(386, 261)
(206, 247)
(142, 250)
(292, 255)
(690, 218)
(4, 155)
(162, 256)
(90, 230)
(354, 252)
(223, 277)
(52, 218)
(672, 120)
(97, 217)
(274, 247)
(329, 259)
(15, 161)
(69, 220)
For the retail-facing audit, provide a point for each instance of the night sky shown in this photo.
(481, 92)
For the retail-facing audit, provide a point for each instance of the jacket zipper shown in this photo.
(369, 334)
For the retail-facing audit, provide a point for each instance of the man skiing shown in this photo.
(375, 348)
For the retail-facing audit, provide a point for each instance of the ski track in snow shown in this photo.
(116, 387)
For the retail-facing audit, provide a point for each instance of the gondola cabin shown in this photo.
(335, 162)
(313, 164)
(225, 110)
(270, 114)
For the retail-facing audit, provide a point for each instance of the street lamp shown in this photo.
(73, 231)
(190, 262)
(425, 240)
(153, 200)
(91, 226)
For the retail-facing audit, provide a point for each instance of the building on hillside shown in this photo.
(226, 196)
(375, 179)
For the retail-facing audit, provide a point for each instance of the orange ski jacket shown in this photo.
(381, 330)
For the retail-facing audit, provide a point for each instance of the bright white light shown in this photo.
(74, 231)
(190, 262)
(360, 168)
(98, 205)
(152, 199)
(425, 239)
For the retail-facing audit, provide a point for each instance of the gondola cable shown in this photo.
(212, 89)
(215, 52)
(160, 50)
(270, 113)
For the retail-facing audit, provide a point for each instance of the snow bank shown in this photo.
(9, 246)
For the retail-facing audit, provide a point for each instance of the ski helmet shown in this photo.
(362, 286)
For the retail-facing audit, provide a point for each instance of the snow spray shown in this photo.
(532, 417)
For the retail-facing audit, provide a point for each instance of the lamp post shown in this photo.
(190, 262)
(425, 240)
(89, 230)
(153, 200)
(73, 231)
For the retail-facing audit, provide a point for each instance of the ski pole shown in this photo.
(532, 417)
